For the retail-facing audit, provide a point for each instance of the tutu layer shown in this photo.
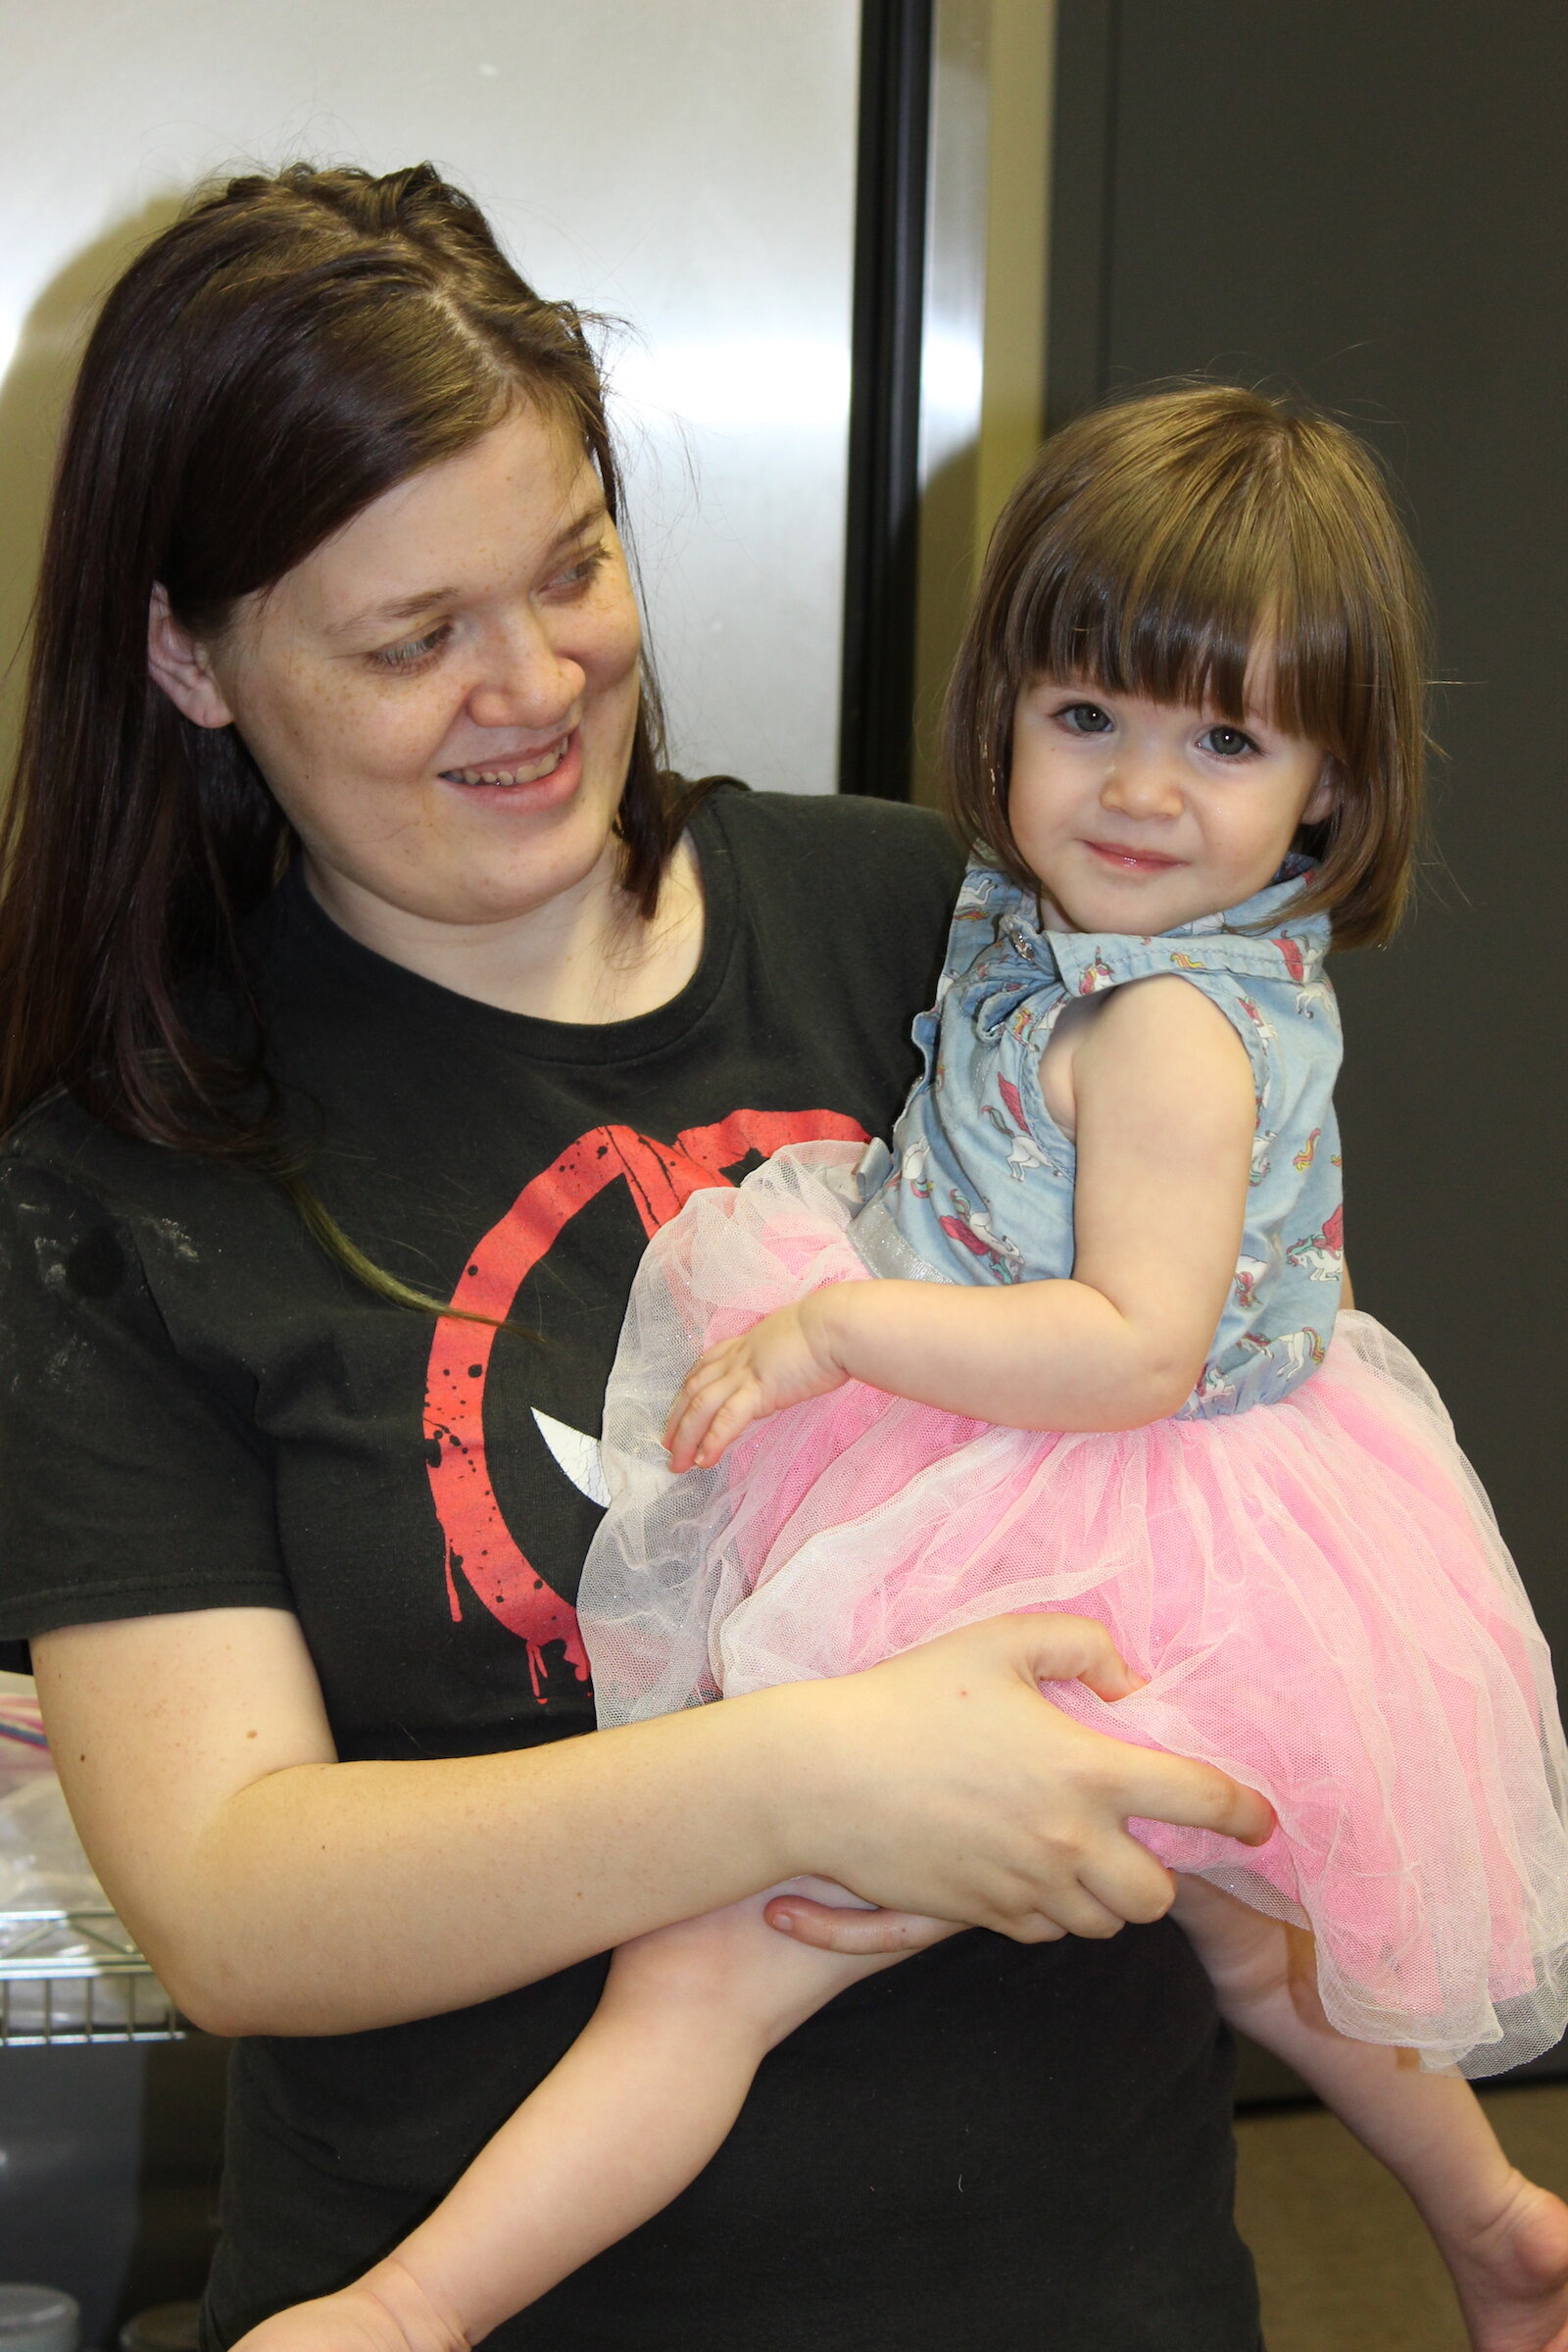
(1317, 1590)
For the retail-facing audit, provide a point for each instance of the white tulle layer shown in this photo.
(1317, 1590)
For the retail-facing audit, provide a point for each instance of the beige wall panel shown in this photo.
(982, 396)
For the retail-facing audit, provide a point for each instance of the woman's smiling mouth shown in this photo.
(508, 773)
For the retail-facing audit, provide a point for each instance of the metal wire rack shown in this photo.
(70, 1971)
(74, 1977)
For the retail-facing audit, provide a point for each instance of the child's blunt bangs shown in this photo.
(1149, 550)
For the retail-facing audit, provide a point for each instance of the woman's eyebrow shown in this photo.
(423, 600)
(406, 607)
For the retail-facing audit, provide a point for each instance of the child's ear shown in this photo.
(1325, 792)
(179, 664)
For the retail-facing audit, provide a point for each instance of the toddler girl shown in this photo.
(1101, 1374)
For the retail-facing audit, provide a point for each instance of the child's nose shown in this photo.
(1143, 784)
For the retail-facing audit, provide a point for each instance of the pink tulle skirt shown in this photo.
(1317, 1590)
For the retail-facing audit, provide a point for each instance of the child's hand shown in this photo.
(783, 1359)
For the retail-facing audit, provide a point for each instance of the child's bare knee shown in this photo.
(1246, 1955)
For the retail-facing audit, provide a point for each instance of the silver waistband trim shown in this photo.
(884, 1249)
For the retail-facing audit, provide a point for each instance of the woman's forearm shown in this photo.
(278, 1891)
(339, 1896)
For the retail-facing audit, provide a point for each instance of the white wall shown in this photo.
(687, 165)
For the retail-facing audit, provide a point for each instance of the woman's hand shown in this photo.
(782, 1360)
(944, 1783)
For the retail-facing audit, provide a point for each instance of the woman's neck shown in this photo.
(585, 955)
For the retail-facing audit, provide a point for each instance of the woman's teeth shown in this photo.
(532, 771)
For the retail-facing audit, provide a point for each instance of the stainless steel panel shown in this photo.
(687, 167)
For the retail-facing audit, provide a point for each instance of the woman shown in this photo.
(358, 964)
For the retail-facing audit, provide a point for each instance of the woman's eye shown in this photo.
(413, 651)
(580, 574)
(1085, 718)
(1228, 743)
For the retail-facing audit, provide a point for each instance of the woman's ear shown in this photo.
(179, 664)
(1324, 793)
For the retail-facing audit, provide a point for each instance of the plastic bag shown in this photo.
(42, 1866)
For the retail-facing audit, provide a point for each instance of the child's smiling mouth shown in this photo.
(1132, 861)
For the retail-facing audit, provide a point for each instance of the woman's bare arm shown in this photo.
(278, 1891)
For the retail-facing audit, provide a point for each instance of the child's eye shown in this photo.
(1227, 743)
(413, 651)
(1085, 718)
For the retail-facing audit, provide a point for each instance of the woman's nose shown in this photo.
(525, 680)
(1143, 784)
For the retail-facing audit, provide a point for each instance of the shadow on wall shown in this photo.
(33, 396)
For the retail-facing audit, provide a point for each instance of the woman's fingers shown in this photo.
(1130, 1882)
(1156, 1787)
(1061, 1649)
(951, 1785)
(837, 1928)
(1076, 1649)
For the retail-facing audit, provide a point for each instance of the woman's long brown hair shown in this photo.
(291, 348)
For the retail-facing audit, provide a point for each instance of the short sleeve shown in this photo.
(1226, 973)
(128, 1486)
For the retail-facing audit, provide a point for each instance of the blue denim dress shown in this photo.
(978, 1186)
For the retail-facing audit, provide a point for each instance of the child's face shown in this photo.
(1136, 816)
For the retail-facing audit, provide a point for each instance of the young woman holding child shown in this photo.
(352, 939)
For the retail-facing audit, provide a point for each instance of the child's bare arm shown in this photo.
(1159, 1089)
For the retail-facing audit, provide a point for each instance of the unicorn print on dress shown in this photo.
(1294, 1352)
(1259, 1019)
(1262, 1140)
(1095, 976)
(912, 1169)
(1322, 1254)
(1250, 1272)
(1312, 994)
(1214, 1389)
(1023, 1153)
(972, 1228)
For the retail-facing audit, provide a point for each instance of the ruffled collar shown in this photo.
(1257, 939)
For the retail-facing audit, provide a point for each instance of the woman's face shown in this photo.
(443, 697)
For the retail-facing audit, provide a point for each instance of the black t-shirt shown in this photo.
(198, 1408)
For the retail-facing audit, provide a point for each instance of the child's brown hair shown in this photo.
(1153, 548)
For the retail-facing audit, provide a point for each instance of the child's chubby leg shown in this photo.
(631, 2114)
(1504, 2240)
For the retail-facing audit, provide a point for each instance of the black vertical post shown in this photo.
(880, 575)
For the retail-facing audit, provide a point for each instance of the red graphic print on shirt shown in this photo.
(480, 1547)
